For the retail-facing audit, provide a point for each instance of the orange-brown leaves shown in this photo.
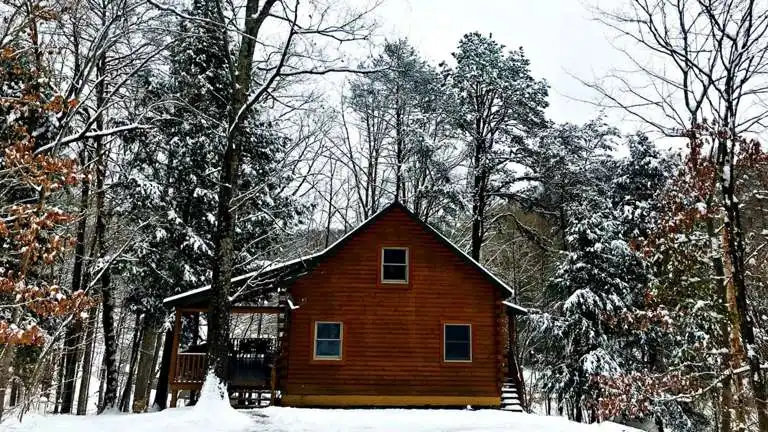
(10, 334)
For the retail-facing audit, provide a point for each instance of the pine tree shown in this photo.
(402, 115)
(498, 106)
(637, 187)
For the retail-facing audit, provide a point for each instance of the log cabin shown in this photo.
(392, 314)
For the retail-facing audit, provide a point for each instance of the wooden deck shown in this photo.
(250, 382)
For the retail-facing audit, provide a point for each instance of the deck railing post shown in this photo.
(174, 357)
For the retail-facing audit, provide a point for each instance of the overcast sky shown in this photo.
(559, 37)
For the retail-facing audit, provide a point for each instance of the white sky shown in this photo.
(558, 36)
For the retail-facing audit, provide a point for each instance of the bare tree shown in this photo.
(692, 60)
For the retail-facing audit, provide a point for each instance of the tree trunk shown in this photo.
(106, 290)
(110, 344)
(398, 143)
(718, 269)
(737, 299)
(161, 393)
(74, 332)
(108, 306)
(85, 380)
(59, 379)
(478, 214)
(125, 399)
(218, 313)
(726, 405)
(7, 355)
(13, 400)
(72, 351)
(145, 369)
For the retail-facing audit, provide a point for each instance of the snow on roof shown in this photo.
(307, 258)
(277, 266)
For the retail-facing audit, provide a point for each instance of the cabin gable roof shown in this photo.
(296, 268)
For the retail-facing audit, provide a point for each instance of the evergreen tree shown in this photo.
(172, 182)
(636, 189)
(601, 281)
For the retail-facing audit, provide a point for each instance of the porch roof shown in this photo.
(249, 288)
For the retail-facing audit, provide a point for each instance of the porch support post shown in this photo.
(174, 357)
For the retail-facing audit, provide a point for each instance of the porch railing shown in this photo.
(190, 368)
(250, 361)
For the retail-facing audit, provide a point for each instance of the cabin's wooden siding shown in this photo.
(392, 342)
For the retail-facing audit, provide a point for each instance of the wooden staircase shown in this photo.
(244, 398)
(510, 400)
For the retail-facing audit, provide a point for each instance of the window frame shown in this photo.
(321, 358)
(445, 343)
(407, 266)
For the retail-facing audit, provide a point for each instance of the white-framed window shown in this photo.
(328, 337)
(394, 265)
(457, 342)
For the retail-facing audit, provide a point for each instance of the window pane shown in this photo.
(457, 351)
(394, 272)
(394, 256)
(328, 330)
(328, 348)
(458, 333)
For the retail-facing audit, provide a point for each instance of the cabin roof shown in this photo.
(273, 274)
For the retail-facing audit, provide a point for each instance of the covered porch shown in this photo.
(258, 322)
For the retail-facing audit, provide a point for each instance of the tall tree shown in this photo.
(402, 114)
(499, 106)
(249, 83)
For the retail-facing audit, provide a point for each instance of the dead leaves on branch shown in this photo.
(11, 334)
(34, 232)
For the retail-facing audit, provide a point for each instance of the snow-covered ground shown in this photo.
(213, 414)
(275, 419)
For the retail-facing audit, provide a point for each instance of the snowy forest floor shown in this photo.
(276, 419)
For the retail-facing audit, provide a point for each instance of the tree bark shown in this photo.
(478, 214)
(72, 352)
(161, 393)
(110, 344)
(218, 313)
(13, 399)
(125, 399)
(737, 300)
(145, 368)
(7, 355)
(105, 289)
(59, 379)
(90, 340)
(73, 339)
(398, 143)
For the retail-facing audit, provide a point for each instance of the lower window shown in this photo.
(328, 336)
(457, 343)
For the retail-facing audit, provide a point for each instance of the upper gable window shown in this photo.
(394, 265)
